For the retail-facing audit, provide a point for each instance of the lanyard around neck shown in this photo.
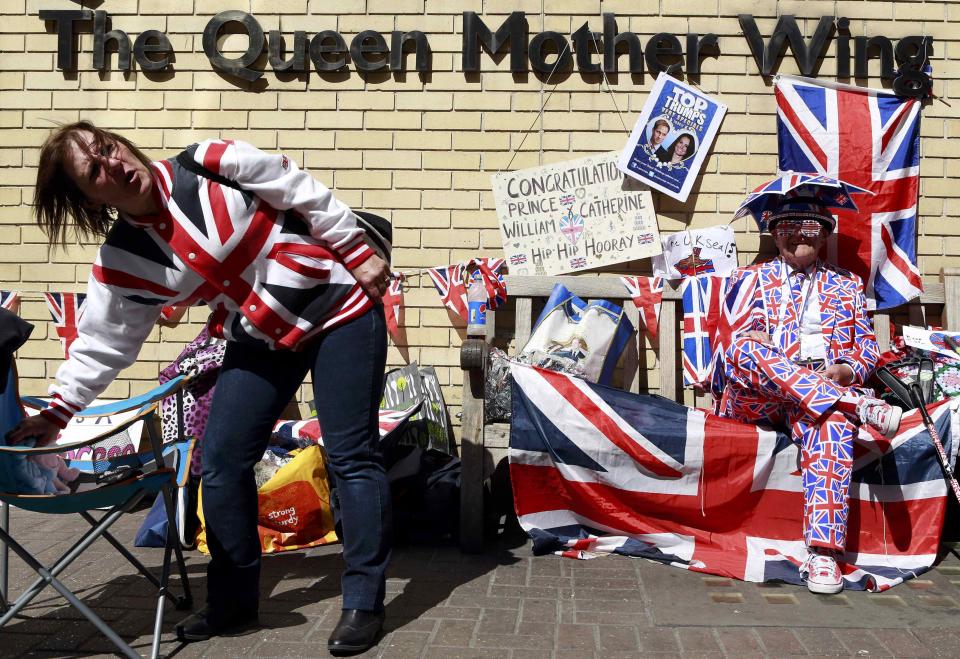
(802, 310)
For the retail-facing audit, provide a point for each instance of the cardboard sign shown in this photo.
(697, 252)
(672, 137)
(917, 337)
(572, 216)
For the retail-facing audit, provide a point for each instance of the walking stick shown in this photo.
(917, 393)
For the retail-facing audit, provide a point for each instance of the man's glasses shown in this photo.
(806, 228)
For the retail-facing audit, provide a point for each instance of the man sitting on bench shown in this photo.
(794, 338)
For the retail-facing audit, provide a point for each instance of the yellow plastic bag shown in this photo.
(294, 508)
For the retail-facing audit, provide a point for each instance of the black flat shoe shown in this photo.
(357, 631)
(200, 626)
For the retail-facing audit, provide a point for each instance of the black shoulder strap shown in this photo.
(185, 158)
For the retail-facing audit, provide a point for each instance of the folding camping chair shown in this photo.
(115, 480)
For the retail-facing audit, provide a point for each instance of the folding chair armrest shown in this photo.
(143, 414)
(137, 402)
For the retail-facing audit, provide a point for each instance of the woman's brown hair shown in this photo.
(56, 198)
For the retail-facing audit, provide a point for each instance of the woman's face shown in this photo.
(659, 132)
(683, 145)
(109, 174)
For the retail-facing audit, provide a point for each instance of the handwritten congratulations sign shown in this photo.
(573, 216)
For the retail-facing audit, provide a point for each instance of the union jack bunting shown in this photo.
(10, 300)
(647, 295)
(702, 297)
(66, 309)
(869, 139)
(393, 304)
(450, 284)
(448, 280)
(597, 470)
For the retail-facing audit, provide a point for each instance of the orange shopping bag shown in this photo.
(294, 508)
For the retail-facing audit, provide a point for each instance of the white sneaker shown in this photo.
(879, 415)
(822, 574)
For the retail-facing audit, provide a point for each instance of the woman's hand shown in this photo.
(373, 275)
(43, 431)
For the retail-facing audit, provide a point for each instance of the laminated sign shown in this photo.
(572, 216)
(672, 137)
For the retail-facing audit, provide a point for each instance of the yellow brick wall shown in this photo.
(420, 150)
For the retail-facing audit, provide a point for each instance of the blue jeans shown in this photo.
(254, 386)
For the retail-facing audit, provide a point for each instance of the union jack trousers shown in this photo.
(770, 388)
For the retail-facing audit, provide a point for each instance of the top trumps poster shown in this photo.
(672, 137)
(572, 216)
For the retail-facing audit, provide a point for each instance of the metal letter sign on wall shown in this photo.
(545, 52)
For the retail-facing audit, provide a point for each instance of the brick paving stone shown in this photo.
(821, 642)
(466, 599)
(902, 643)
(858, 641)
(617, 638)
(658, 641)
(697, 640)
(780, 641)
(538, 610)
(276, 649)
(508, 641)
(453, 612)
(498, 621)
(577, 637)
(404, 644)
(740, 642)
(463, 653)
(454, 633)
(525, 591)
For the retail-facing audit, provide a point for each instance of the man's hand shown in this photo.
(842, 374)
(373, 275)
(45, 432)
(757, 335)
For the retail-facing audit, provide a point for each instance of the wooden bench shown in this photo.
(483, 445)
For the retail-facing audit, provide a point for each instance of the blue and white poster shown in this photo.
(672, 137)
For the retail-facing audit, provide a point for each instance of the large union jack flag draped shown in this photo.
(870, 139)
(597, 470)
(66, 310)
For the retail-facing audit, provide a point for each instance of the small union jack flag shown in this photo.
(579, 262)
(10, 300)
(66, 309)
(567, 199)
(645, 238)
(448, 280)
(647, 295)
(702, 298)
(393, 304)
(450, 284)
(518, 259)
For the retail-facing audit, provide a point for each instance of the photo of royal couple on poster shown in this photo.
(667, 147)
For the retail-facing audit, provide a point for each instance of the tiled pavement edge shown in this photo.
(504, 603)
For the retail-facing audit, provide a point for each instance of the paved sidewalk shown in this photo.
(505, 603)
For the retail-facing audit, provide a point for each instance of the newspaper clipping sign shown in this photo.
(672, 137)
(573, 216)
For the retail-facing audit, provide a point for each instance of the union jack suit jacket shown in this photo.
(754, 299)
(272, 261)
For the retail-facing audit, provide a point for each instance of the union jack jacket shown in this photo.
(272, 261)
(753, 301)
